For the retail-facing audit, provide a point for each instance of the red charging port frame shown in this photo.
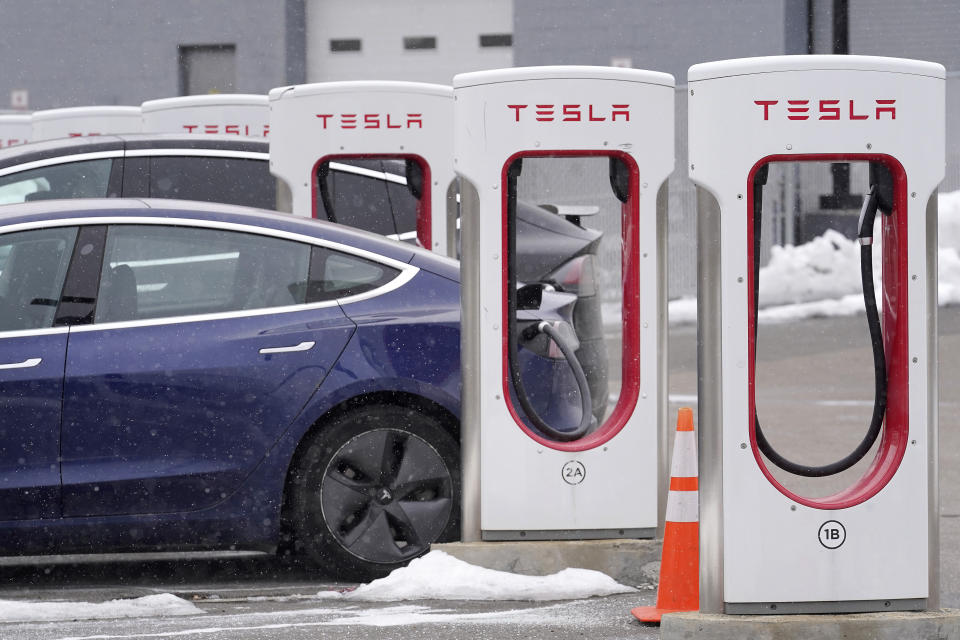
(630, 272)
(894, 316)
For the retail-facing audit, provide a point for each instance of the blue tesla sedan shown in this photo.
(186, 375)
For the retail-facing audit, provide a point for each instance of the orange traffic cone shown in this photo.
(679, 588)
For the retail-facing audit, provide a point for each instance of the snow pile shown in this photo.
(440, 576)
(826, 267)
(822, 277)
(948, 230)
(948, 227)
(164, 604)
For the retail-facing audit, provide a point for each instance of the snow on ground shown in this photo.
(822, 277)
(160, 605)
(440, 576)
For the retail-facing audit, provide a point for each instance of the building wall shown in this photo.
(923, 30)
(106, 52)
(660, 35)
(381, 25)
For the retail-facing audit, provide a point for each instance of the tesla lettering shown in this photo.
(572, 112)
(371, 120)
(230, 129)
(830, 109)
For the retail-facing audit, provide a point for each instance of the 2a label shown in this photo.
(832, 534)
(574, 472)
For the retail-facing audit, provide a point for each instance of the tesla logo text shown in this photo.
(230, 129)
(829, 109)
(371, 120)
(572, 112)
(76, 134)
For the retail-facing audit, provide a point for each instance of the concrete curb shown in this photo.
(634, 563)
(943, 624)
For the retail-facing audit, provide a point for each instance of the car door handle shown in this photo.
(303, 346)
(26, 364)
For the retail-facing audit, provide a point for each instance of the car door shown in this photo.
(33, 267)
(202, 351)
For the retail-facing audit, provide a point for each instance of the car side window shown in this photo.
(361, 202)
(334, 274)
(86, 179)
(157, 271)
(404, 208)
(242, 181)
(33, 267)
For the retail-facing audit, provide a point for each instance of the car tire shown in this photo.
(373, 490)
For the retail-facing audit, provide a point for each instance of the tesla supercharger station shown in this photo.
(72, 122)
(521, 482)
(15, 129)
(872, 545)
(315, 126)
(221, 113)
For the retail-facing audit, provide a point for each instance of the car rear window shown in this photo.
(334, 274)
(240, 181)
(85, 179)
(157, 271)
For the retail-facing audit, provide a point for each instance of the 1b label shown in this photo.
(832, 534)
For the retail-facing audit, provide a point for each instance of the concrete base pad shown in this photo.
(632, 562)
(933, 625)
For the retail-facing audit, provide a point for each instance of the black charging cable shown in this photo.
(868, 213)
(587, 421)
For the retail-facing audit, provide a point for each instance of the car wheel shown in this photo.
(374, 489)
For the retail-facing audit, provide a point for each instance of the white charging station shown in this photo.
(519, 483)
(315, 126)
(15, 128)
(872, 546)
(73, 122)
(216, 114)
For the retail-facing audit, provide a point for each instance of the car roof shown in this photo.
(33, 151)
(132, 208)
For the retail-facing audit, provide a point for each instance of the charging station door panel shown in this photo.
(870, 545)
(14, 129)
(73, 122)
(318, 131)
(216, 114)
(525, 140)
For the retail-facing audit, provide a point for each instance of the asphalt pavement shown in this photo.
(813, 366)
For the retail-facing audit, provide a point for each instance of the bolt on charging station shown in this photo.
(872, 544)
(326, 138)
(221, 113)
(521, 136)
(73, 122)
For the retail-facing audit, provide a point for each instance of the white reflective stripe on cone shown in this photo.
(684, 464)
(683, 506)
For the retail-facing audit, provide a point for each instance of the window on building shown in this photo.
(496, 39)
(345, 44)
(207, 69)
(419, 42)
